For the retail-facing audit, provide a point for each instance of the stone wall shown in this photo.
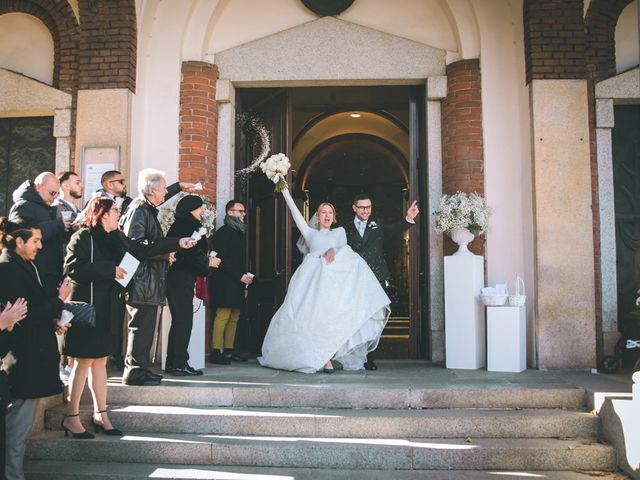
(199, 125)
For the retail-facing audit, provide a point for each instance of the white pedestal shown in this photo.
(197, 342)
(464, 312)
(506, 339)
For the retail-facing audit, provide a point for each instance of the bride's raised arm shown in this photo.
(295, 213)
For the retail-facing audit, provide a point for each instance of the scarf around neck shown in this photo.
(235, 224)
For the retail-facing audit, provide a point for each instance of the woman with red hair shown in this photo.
(92, 260)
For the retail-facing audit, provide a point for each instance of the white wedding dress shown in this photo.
(331, 310)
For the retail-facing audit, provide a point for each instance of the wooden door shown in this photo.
(27, 147)
(268, 233)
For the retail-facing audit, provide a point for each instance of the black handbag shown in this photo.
(84, 314)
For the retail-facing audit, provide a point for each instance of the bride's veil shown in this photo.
(301, 244)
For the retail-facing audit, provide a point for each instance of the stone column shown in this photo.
(565, 302)
(225, 97)
(436, 92)
(62, 133)
(608, 279)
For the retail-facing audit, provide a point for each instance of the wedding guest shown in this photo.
(92, 262)
(9, 317)
(33, 203)
(181, 280)
(114, 186)
(228, 284)
(71, 190)
(147, 290)
(34, 374)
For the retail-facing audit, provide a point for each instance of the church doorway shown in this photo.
(342, 141)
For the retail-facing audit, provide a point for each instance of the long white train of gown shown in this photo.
(331, 310)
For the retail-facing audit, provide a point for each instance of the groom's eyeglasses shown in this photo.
(363, 207)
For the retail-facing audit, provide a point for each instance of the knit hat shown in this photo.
(188, 204)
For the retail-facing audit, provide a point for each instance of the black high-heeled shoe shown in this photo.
(82, 435)
(114, 432)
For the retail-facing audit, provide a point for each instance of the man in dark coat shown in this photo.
(366, 238)
(33, 343)
(228, 283)
(147, 289)
(33, 203)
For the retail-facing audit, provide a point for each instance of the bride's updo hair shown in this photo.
(333, 209)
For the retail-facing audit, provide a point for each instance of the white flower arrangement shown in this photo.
(275, 168)
(167, 213)
(462, 210)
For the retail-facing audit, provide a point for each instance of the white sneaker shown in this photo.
(64, 373)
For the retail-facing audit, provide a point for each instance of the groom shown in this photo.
(366, 238)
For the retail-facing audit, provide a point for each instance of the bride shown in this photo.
(334, 308)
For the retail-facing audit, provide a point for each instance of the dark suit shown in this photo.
(371, 246)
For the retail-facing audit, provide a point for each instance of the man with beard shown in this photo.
(114, 186)
(71, 190)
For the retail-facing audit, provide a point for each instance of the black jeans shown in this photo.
(142, 327)
(180, 298)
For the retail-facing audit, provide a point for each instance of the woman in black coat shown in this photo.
(180, 284)
(93, 256)
(227, 285)
(32, 342)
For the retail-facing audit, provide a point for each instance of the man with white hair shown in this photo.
(33, 203)
(147, 289)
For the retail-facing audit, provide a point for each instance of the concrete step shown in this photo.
(207, 392)
(312, 422)
(340, 453)
(68, 470)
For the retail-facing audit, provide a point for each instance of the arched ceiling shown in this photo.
(342, 124)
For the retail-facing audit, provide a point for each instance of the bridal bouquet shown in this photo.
(275, 168)
(462, 211)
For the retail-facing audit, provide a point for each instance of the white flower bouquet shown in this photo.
(460, 211)
(167, 213)
(275, 168)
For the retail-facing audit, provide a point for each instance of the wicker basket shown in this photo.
(496, 300)
(519, 299)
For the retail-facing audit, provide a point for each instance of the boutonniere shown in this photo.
(373, 225)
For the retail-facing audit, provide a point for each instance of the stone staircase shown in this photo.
(207, 429)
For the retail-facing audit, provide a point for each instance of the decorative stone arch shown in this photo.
(59, 18)
(600, 27)
(620, 89)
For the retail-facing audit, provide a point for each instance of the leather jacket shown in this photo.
(140, 224)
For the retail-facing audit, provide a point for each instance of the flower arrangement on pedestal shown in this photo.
(462, 216)
(167, 213)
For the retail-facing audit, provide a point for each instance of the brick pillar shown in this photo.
(199, 125)
(462, 147)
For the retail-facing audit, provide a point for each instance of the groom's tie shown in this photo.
(360, 225)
